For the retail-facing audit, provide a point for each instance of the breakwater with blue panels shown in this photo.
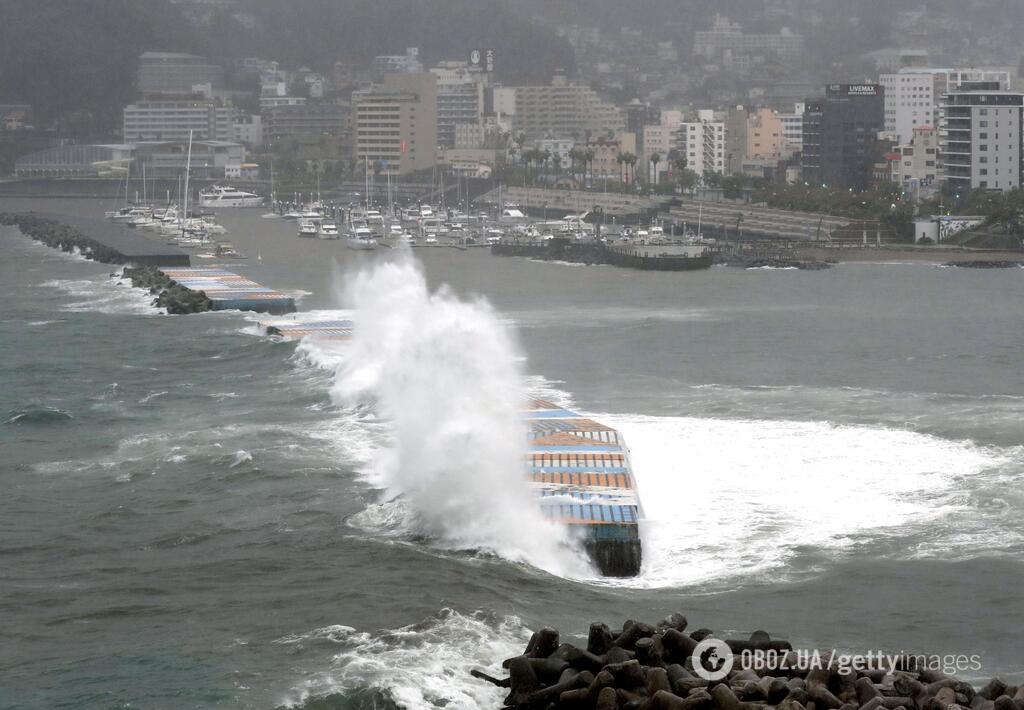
(580, 469)
(229, 291)
(330, 329)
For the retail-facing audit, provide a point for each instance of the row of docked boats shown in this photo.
(359, 235)
(166, 221)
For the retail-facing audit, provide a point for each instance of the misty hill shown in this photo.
(75, 60)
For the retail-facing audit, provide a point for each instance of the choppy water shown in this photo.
(187, 517)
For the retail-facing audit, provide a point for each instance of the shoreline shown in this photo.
(906, 255)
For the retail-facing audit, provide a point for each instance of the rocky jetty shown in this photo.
(170, 295)
(985, 264)
(61, 236)
(646, 667)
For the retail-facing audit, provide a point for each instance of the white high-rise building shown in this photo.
(981, 139)
(702, 142)
(793, 127)
(913, 95)
(173, 120)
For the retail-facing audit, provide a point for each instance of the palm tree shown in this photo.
(655, 159)
(588, 157)
(677, 159)
(630, 160)
(621, 160)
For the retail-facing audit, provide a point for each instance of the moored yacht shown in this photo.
(220, 196)
(308, 228)
(361, 237)
(328, 230)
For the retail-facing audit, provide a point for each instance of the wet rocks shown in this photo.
(61, 236)
(982, 264)
(170, 295)
(643, 667)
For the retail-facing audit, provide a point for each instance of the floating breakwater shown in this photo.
(578, 468)
(227, 290)
(581, 470)
(661, 667)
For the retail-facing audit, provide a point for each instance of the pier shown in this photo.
(229, 291)
(667, 257)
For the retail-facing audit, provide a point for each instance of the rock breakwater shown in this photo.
(661, 667)
(170, 295)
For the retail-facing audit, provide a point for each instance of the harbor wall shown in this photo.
(97, 240)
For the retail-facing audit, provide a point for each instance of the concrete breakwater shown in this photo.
(170, 295)
(108, 244)
(227, 290)
(645, 258)
(661, 667)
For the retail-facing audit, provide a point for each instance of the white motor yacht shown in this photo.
(361, 237)
(219, 196)
(328, 230)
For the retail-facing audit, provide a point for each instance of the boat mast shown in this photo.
(273, 197)
(127, 179)
(188, 166)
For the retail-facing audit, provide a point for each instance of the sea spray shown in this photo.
(444, 373)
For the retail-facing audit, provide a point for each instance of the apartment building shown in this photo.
(562, 109)
(913, 95)
(395, 123)
(175, 73)
(171, 120)
(980, 138)
(702, 142)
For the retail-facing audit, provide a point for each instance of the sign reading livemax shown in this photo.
(482, 59)
(854, 89)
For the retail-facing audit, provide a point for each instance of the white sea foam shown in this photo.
(557, 262)
(444, 374)
(104, 295)
(241, 456)
(424, 665)
(725, 500)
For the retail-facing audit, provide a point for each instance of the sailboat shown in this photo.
(125, 213)
(273, 196)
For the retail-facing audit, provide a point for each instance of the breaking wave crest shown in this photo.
(424, 665)
(444, 374)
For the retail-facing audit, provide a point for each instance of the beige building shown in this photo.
(916, 161)
(606, 163)
(395, 123)
(766, 138)
(562, 109)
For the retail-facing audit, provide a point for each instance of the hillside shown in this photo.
(87, 49)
